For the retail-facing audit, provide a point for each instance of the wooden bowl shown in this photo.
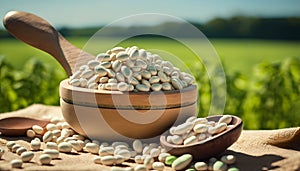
(210, 147)
(115, 115)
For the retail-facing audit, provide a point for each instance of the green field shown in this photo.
(236, 55)
(265, 97)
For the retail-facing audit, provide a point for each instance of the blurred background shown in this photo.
(257, 41)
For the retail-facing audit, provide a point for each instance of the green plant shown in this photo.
(273, 98)
(35, 83)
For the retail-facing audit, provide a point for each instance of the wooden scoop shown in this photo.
(211, 146)
(38, 33)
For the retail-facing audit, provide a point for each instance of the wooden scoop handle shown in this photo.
(38, 33)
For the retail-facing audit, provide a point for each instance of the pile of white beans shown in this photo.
(57, 137)
(130, 69)
(194, 130)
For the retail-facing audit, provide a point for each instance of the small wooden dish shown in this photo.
(17, 126)
(115, 115)
(210, 147)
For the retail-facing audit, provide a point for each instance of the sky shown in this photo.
(85, 13)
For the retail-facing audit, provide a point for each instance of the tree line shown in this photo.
(235, 27)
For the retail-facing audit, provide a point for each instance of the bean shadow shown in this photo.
(247, 162)
(15, 138)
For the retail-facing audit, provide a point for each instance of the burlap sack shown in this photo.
(255, 149)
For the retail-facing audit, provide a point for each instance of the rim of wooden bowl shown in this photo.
(128, 100)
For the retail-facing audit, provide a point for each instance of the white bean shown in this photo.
(190, 140)
(162, 156)
(106, 65)
(217, 129)
(158, 166)
(103, 79)
(47, 136)
(116, 65)
(176, 139)
(76, 145)
(225, 119)
(10, 144)
(177, 83)
(146, 74)
(21, 150)
(183, 128)
(138, 159)
(117, 50)
(37, 129)
(30, 133)
(126, 71)
(119, 159)
(156, 87)
(200, 128)
(27, 156)
(92, 148)
(35, 145)
(105, 151)
(65, 147)
(124, 153)
(142, 87)
(87, 73)
(148, 161)
(137, 146)
(134, 53)
(16, 163)
(103, 57)
(108, 160)
(154, 79)
(54, 154)
(45, 159)
(15, 147)
(92, 64)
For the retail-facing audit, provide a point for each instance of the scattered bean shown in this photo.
(137, 146)
(228, 159)
(51, 145)
(140, 167)
(47, 136)
(92, 148)
(158, 166)
(107, 160)
(54, 154)
(201, 166)
(27, 156)
(15, 147)
(10, 144)
(162, 156)
(45, 159)
(16, 163)
(65, 147)
(35, 145)
(148, 161)
(30, 133)
(21, 150)
(37, 129)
